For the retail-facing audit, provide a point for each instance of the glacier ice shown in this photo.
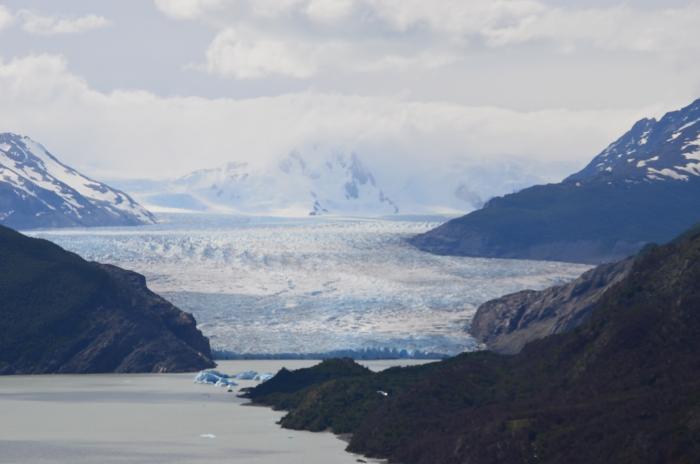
(246, 375)
(263, 377)
(275, 285)
(213, 377)
(225, 383)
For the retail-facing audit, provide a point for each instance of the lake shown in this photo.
(153, 419)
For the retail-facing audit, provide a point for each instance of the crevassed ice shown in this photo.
(262, 285)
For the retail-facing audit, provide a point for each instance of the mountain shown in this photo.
(508, 323)
(295, 185)
(644, 187)
(62, 314)
(621, 387)
(321, 180)
(37, 190)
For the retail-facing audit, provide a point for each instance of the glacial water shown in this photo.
(154, 419)
(269, 286)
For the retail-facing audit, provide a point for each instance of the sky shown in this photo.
(158, 88)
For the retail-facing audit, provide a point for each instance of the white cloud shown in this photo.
(187, 9)
(35, 23)
(616, 27)
(328, 11)
(233, 54)
(136, 133)
(292, 37)
(455, 17)
(6, 17)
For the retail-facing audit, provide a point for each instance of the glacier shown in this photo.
(261, 285)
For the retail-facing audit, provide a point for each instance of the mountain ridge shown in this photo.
(62, 314)
(37, 190)
(642, 188)
(326, 180)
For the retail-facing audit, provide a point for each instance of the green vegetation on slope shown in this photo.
(592, 222)
(623, 387)
(60, 313)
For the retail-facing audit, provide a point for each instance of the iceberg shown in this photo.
(225, 383)
(246, 375)
(263, 377)
(213, 377)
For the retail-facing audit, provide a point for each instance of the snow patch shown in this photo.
(668, 173)
(642, 163)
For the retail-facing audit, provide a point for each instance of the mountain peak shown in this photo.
(651, 151)
(298, 184)
(38, 190)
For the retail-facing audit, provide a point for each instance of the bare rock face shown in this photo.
(62, 314)
(508, 323)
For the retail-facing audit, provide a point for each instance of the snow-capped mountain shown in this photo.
(643, 188)
(295, 185)
(37, 190)
(320, 180)
(652, 151)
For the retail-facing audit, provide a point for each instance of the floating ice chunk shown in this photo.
(214, 378)
(207, 435)
(382, 392)
(246, 375)
(206, 377)
(263, 377)
(225, 383)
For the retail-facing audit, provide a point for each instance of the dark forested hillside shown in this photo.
(60, 313)
(622, 387)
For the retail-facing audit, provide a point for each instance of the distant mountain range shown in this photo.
(60, 313)
(37, 190)
(644, 187)
(326, 181)
(296, 185)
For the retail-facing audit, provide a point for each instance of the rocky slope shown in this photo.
(644, 187)
(62, 314)
(508, 323)
(621, 387)
(37, 190)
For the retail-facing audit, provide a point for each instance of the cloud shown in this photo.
(38, 24)
(6, 17)
(455, 18)
(139, 134)
(620, 27)
(303, 38)
(232, 54)
(187, 9)
(328, 11)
